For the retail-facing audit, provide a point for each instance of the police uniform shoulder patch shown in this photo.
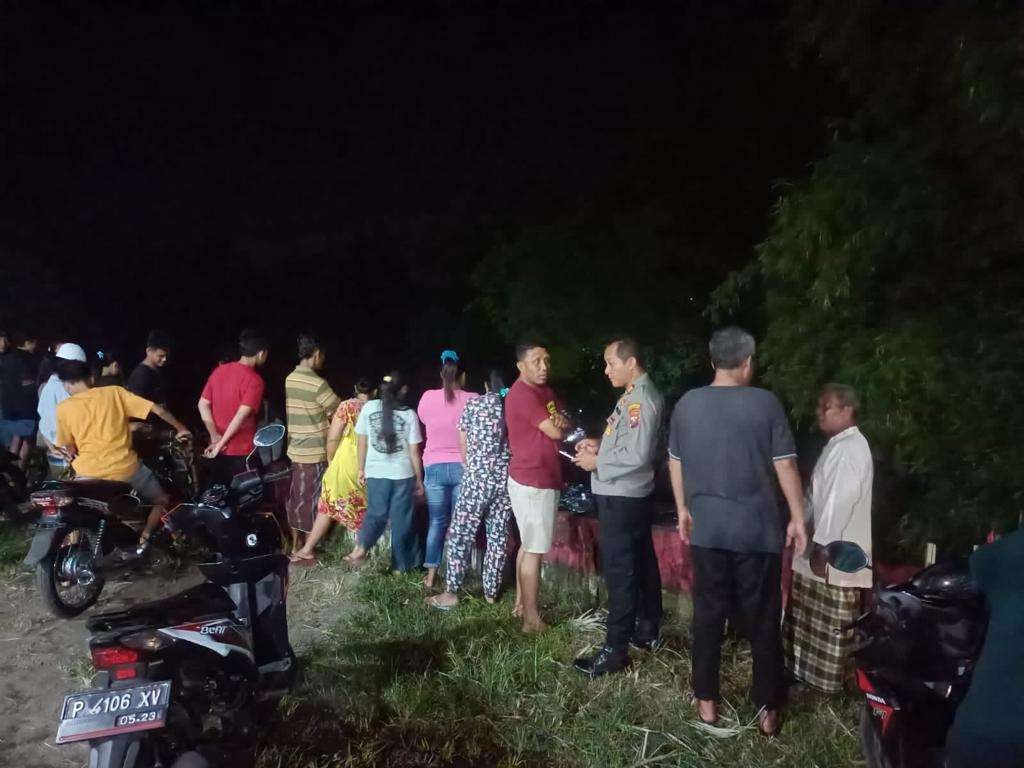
(634, 415)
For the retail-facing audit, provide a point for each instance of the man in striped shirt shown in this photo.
(309, 403)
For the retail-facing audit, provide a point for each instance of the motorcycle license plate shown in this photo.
(95, 714)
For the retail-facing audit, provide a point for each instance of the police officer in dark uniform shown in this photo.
(622, 480)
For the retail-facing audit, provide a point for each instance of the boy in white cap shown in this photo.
(50, 395)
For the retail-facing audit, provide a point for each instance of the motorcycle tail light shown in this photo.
(50, 501)
(124, 673)
(146, 641)
(111, 655)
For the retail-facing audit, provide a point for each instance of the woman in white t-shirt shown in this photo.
(389, 438)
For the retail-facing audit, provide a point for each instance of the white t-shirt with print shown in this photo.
(381, 463)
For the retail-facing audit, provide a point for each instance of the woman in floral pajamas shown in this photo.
(484, 495)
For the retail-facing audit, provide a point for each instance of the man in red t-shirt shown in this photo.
(535, 428)
(229, 404)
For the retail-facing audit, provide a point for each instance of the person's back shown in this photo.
(96, 422)
(384, 460)
(441, 419)
(229, 386)
(990, 715)
(483, 421)
(309, 404)
(727, 439)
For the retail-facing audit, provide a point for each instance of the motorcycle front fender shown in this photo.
(43, 543)
(116, 752)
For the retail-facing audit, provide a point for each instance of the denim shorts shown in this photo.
(18, 428)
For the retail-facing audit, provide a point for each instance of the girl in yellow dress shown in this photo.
(343, 497)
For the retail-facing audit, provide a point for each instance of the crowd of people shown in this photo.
(495, 459)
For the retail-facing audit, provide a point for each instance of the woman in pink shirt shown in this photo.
(439, 410)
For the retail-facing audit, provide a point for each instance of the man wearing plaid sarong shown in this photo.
(823, 600)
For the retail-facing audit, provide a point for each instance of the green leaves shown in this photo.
(892, 267)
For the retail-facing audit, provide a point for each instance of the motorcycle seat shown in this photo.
(194, 603)
(99, 490)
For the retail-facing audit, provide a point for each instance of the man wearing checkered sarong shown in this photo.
(823, 600)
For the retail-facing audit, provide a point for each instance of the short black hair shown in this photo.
(251, 343)
(730, 346)
(72, 371)
(627, 347)
(157, 339)
(307, 344)
(523, 349)
(363, 386)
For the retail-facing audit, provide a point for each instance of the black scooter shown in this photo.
(914, 653)
(181, 681)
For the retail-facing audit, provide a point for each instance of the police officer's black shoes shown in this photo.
(607, 660)
(651, 644)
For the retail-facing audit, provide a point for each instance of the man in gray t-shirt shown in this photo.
(728, 445)
(727, 439)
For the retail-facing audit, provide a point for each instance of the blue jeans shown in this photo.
(442, 483)
(391, 500)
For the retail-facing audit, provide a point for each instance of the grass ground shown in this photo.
(14, 543)
(399, 684)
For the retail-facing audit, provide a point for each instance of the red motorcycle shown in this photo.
(914, 653)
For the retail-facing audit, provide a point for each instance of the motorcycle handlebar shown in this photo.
(273, 477)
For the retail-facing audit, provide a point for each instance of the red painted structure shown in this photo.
(575, 546)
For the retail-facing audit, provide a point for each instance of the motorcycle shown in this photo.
(181, 681)
(914, 654)
(173, 461)
(88, 529)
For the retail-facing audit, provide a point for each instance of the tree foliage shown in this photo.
(576, 283)
(896, 266)
(893, 265)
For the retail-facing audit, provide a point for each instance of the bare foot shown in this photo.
(443, 601)
(517, 610)
(491, 600)
(428, 579)
(302, 554)
(769, 722)
(355, 557)
(707, 711)
(533, 626)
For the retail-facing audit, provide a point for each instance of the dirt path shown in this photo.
(42, 657)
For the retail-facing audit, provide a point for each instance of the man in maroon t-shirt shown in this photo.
(535, 428)
(229, 404)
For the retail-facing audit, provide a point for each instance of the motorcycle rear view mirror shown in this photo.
(269, 435)
(846, 556)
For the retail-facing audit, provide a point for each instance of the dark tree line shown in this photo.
(893, 264)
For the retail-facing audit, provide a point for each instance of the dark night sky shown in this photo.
(206, 168)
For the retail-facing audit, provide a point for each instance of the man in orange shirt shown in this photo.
(93, 431)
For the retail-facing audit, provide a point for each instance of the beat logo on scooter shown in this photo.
(213, 629)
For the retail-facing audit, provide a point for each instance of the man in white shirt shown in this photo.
(839, 506)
